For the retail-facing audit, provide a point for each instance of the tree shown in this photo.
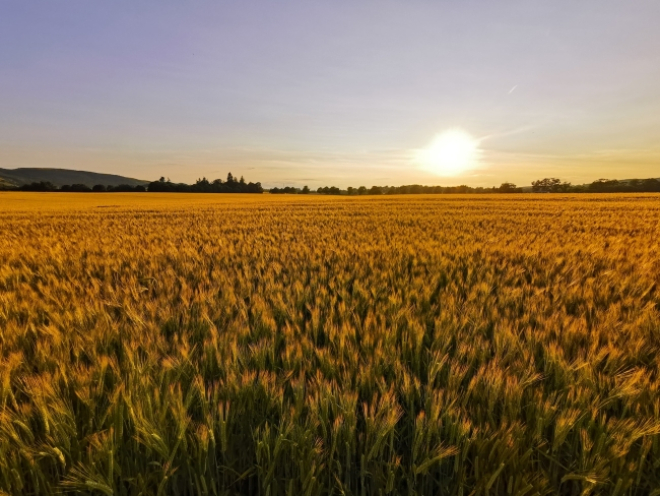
(375, 190)
(332, 190)
(305, 190)
(550, 185)
(40, 186)
(509, 188)
(650, 185)
(287, 189)
(545, 185)
(362, 190)
(76, 188)
(126, 188)
(98, 188)
(606, 185)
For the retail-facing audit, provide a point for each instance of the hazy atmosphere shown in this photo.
(342, 93)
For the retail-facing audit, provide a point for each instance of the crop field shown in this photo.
(173, 344)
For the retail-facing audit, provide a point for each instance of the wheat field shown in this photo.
(157, 344)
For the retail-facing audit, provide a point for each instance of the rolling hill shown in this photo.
(59, 177)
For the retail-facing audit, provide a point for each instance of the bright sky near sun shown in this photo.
(335, 92)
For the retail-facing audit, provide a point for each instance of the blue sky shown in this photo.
(331, 93)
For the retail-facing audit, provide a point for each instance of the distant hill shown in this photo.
(60, 177)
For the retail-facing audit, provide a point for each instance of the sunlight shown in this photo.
(450, 154)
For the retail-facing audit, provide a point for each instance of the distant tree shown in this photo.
(99, 188)
(545, 185)
(127, 188)
(305, 190)
(41, 186)
(375, 190)
(241, 180)
(650, 186)
(509, 188)
(332, 190)
(550, 185)
(603, 185)
(351, 190)
(75, 188)
(230, 178)
(286, 190)
(162, 179)
(362, 190)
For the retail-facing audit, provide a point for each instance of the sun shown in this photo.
(451, 153)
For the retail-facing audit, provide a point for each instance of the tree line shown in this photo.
(554, 185)
(290, 190)
(233, 185)
(46, 186)
(203, 185)
(633, 185)
(417, 189)
(546, 185)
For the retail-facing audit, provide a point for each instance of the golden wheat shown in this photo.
(292, 345)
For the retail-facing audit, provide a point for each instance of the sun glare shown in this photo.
(450, 154)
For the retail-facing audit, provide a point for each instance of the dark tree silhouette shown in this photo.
(286, 190)
(550, 185)
(40, 186)
(509, 188)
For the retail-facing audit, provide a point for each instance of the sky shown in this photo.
(341, 92)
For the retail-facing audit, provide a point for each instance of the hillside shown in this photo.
(59, 177)
(5, 184)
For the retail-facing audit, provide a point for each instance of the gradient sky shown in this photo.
(338, 92)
